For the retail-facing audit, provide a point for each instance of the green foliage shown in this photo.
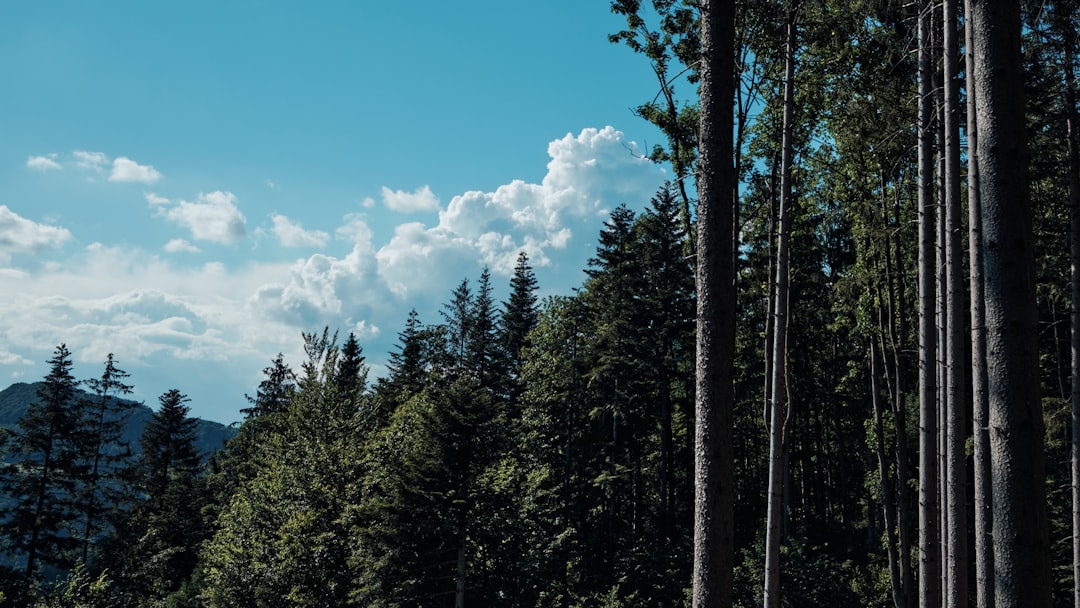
(79, 590)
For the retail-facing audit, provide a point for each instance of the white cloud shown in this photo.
(423, 199)
(155, 200)
(164, 322)
(20, 235)
(326, 290)
(180, 246)
(292, 234)
(126, 170)
(223, 323)
(588, 175)
(367, 203)
(42, 163)
(91, 161)
(211, 217)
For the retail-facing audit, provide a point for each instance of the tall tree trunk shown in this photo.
(713, 571)
(898, 338)
(929, 590)
(459, 575)
(955, 536)
(888, 494)
(984, 547)
(1021, 545)
(1074, 275)
(779, 405)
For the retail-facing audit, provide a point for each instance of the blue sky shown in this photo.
(189, 185)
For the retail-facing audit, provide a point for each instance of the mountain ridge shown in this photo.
(210, 436)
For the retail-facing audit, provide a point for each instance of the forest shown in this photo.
(852, 316)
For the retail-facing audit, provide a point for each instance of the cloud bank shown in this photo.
(164, 317)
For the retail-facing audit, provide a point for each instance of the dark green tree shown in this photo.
(107, 486)
(520, 312)
(159, 543)
(274, 390)
(351, 371)
(44, 476)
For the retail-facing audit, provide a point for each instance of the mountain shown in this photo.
(210, 436)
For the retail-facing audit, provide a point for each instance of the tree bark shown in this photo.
(1074, 275)
(984, 546)
(779, 404)
(956, 571)
(713, 570)
(1021, 546)
(929, 590)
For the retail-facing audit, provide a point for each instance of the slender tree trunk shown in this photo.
(781, 319)
(929, 590)
(984, 556)
(888, 495)
(713, 571)
(898, 337)
(1074, 316)
(459, 576)
(956, 377)
(1021, 545)
(39, 509)
(942, 303)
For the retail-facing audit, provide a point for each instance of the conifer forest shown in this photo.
(835, 361)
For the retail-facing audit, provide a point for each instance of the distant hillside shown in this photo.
(210, 436)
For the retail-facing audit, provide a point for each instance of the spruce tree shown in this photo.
(45, 474)
(166, 529)
(351, 371)
(520, 313)
(106, 454)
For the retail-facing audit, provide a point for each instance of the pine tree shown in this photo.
(351, 371)
(166, 529)
(520, 314)
(274, 390)
(45, 475)
(1021, 546)
(713, 546)
(108, 456)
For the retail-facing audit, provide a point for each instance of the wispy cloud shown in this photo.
(210, 217)
(180, 246)
(422, 199)
(91, 161)
(126, 170)
(43, 163)
(292, 234)
(155, 200)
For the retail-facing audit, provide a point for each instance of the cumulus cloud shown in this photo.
(325, 290)
(588, 174)
(20, 235)
(180, 246)
(210, 217)
(43, 163)
(422, 199)
(292, 234)
(126, 170)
